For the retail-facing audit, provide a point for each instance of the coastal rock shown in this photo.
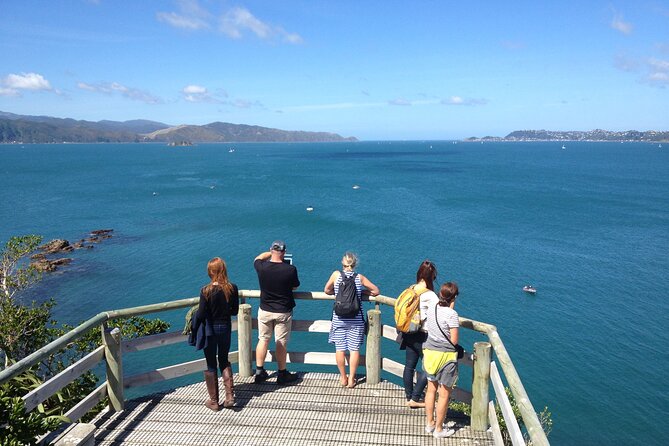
(42, 263)
(46, 265)
(102, 232)
(54, 246)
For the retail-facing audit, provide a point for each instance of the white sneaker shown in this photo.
(429, 429)
(443, 433)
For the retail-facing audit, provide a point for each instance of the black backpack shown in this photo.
(347, 304)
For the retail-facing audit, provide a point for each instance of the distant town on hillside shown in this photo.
(592, 135)
(22, 129)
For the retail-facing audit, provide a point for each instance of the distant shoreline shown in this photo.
(227, 144)
(650, 136)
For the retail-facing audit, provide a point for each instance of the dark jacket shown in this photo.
(200, 331)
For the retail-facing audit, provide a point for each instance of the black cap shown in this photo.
(278, 245)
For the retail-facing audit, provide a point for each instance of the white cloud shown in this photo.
(26, 81)
(293, 38)
(198, 93)
(128, 92)
(458, 100)
(191, 16)
(619, 24)
(239, 20)
(625, 63)
(661, 65)
(243, 103)
(194, 89)
(336, 106)
(399, 101)
(9, 92)
(658, 72)
(85, 86)
(179, 21)
(653, 71)
(233, 23)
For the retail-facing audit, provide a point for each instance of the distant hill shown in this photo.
(592, 135)
(226, 132)
(45, 129)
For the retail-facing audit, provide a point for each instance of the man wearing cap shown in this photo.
(277, 281)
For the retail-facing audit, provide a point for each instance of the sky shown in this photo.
(376, 70)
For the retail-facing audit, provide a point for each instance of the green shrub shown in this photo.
(24, 328)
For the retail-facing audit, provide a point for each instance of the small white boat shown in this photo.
(355, 186)
(530, 289)
(310, 208)
(231, 150)
(563, 147)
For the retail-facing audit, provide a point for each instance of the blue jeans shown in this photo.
(218, 345)
(414, 351)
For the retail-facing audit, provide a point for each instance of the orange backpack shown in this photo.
(407, 310)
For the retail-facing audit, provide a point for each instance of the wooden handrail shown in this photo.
(527, 411)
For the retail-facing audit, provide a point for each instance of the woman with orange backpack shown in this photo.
(412, 343)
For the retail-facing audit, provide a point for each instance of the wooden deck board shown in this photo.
(315, 411)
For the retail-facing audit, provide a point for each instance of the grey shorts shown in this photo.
(446, 376)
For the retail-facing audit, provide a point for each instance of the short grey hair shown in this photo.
(350, 260)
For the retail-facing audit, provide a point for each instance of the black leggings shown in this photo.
(218, 345)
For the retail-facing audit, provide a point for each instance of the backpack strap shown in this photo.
(436, 321)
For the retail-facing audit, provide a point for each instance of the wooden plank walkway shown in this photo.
(313, 411)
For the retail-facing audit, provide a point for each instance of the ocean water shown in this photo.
(588, 226)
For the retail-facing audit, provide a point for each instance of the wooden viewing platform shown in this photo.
(314, 411)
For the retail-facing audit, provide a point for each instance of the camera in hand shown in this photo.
(288, 258)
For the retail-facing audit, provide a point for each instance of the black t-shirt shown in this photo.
(216, 308)
(276, 280)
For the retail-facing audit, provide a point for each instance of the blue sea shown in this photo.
(588, 226)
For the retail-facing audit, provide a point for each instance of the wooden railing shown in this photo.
(114, 346)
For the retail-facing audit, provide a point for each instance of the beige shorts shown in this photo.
(278, 323)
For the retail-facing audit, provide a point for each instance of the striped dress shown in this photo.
(348, 334)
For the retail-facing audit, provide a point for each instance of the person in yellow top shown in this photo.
(440, 358)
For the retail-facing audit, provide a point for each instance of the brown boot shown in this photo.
(211, 379)
(229, 387)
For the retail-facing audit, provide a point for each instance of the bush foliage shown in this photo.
(24, 328)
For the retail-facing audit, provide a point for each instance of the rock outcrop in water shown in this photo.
(42, 263)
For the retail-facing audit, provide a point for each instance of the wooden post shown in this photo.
(244, 339)
(530, 418)
(481, 386)
(373, 353)
(112, 342)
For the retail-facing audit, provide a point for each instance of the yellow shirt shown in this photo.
(433, 361)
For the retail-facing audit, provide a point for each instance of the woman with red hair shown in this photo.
(219, 301)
